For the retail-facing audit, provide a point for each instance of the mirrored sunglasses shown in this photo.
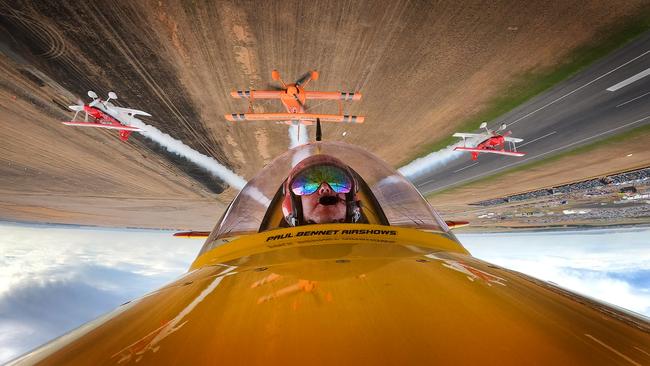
(308, 181)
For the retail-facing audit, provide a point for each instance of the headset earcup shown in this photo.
(296, 204)
(287, 206)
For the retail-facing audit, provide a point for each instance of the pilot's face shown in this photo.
(323, 206)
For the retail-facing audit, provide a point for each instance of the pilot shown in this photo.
(320, 189)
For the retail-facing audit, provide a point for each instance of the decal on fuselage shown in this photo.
(331, 232)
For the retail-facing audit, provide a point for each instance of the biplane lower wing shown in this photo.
(513, 139)
(499, 152)
(343, 118)
(101, 125)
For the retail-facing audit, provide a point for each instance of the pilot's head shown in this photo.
(320, 189)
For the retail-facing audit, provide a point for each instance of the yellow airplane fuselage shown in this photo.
(356, 295)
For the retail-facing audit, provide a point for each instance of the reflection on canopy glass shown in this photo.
(387, 198)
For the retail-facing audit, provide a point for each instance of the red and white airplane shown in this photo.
(106, 115)
(293, 97)
(491, 142)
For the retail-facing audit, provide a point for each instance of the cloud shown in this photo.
(53, 279)
(609, 265)
(12, 336)
(28, 255)
(36, 312)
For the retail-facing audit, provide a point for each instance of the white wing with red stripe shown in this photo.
(101, 125)
(498, 152)
(133, 112)
(471, 135)
(513, 139)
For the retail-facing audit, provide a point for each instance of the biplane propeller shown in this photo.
(105, 115)
(294, 97)
(491, 141)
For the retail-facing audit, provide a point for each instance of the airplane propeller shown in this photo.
(307, 77)
(304, 78)
(295, 96)
(501, 128)
(95, 99)
(78, 108)
(293, 90)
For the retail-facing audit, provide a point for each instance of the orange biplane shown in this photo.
(293, 97)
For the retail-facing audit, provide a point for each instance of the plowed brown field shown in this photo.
(423, 69)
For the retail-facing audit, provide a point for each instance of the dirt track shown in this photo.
(422, 70)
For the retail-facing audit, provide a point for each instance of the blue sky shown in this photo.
(55, 278)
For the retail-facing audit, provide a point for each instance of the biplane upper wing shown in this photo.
(513, 139)
(468, 135)
(132, 112)
(235, 117)
(101, 125)
(332, 95)
(257, 94)
(276, 94)
(499, 152)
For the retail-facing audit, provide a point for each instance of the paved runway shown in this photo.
(608, 98)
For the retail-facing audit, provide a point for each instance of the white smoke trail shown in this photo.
(297, 134)
(178, 147)
(435, 160)
(300, 155)
(304, 137)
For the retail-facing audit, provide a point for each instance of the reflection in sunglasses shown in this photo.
(308, 181)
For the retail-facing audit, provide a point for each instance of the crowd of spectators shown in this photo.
(630, 177)
(610, 214)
